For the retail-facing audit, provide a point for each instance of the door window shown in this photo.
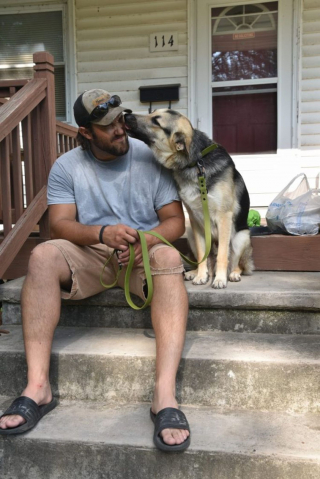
(244, 77)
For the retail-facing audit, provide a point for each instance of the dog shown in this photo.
(178, 146)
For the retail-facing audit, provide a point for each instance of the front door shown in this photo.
(244, 89)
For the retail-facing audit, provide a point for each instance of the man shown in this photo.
(99, 194)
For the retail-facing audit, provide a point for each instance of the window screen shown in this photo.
(23, 34)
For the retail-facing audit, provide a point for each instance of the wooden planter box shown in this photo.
(280, 252)
(286, 253)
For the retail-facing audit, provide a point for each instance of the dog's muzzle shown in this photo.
(130, 121)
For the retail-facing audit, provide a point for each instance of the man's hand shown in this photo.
(125, 255)
(119, 236)
(171, 227)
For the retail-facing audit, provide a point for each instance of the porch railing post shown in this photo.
(44, 68)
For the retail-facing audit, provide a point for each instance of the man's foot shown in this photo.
(41, 396)
(170, 419)
(170, 436)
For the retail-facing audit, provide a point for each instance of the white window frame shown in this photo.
(68, 25)
(200, 85)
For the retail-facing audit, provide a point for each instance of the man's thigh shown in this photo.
(86, 263)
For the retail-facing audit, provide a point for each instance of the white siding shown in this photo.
(310, 85)
(267, 175)
(112, 44)
(310, 90)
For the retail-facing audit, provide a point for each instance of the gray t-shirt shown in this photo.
(127, 190)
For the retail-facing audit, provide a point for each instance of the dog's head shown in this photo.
(166, 132)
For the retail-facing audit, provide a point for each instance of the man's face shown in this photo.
(111, 139)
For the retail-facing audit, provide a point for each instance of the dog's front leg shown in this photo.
(197, 243)
(224, 224)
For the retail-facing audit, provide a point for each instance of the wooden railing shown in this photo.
(30, 136)
(66, 137)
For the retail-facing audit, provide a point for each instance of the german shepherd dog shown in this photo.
(177, 146)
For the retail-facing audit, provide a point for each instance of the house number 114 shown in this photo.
(160, 42)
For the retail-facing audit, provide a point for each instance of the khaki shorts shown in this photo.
(86, 263)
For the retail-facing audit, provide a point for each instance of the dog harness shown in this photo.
(144, 247)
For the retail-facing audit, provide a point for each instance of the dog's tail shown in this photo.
(246, 261)
(241, 252)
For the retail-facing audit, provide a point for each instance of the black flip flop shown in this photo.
(169, 418)
(29, 410)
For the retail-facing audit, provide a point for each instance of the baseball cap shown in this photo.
(88, 101)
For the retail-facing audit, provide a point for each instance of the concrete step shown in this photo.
(246, 371)
(97, 440)
(266, 302)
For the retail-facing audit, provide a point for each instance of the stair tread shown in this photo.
(199, 345)
(264, 289)
(236, 432)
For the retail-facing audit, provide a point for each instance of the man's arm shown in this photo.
(63, 225)
(171, 227)
(172, 223)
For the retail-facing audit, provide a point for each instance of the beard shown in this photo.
(111, 147)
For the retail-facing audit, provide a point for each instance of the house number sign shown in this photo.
(163, 42)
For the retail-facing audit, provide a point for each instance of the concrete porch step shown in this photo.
(266, 302)
(266, 372)
(93, 440)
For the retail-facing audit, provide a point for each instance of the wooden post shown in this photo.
(44, 69)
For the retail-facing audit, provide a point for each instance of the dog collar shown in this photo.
(207, 150)
(203, 153)
(199, 163)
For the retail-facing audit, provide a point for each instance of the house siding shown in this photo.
(112, 44)
(310, 89)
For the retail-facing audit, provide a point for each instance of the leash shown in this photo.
(144, 247)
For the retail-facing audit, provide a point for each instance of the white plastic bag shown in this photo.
(296, 209)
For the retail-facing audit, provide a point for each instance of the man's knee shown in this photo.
(165, 258)
(43, 256)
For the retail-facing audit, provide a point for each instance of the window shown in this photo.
(23, 34)
(244, 77)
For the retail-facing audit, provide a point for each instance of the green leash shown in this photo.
(144, 247)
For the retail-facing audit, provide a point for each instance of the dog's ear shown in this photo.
(179, 140)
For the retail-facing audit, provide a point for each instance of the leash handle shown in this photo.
(146, 263)
(108, 286)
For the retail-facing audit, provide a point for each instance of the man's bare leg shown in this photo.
(40, 304)
(169, 312)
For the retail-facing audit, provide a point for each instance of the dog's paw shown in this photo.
(219, 283)
(201, 279)
(235, 276)
(190, 275)
(195, 278)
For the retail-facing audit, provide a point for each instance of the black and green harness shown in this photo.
(144, 247)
